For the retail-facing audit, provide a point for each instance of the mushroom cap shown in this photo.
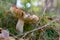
(17, 12)
(35, 18)
(20, 14)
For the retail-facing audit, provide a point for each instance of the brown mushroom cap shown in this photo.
(17, 12)
(20, 14)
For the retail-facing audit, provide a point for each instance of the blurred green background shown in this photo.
(8, 21)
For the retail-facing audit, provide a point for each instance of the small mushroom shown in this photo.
(23, 17)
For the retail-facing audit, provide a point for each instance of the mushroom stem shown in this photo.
(20, 25)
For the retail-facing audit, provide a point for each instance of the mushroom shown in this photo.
(22, 17)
